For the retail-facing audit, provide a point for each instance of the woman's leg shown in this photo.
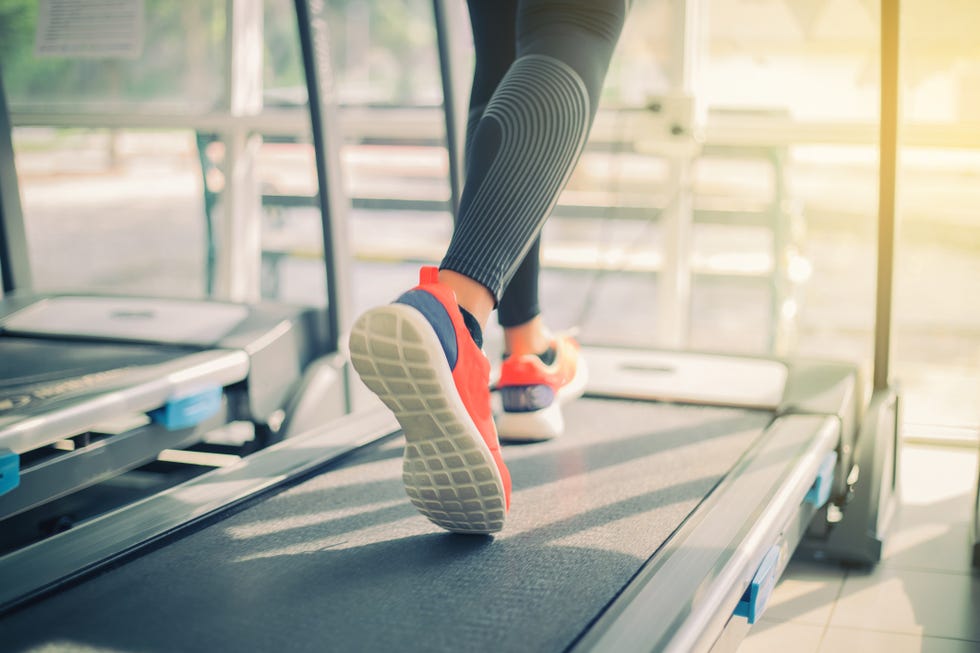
(494, 28)
(417, 354)
(525, 144)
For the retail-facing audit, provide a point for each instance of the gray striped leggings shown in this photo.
(540, 65)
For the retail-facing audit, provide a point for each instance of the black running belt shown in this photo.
(343, 562)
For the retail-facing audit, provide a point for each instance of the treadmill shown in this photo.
(661, 520)
(94, 385)
(976, 524)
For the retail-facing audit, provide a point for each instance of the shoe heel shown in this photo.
(450, 475)
(544, 424)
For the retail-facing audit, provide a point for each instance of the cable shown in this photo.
(601, 271)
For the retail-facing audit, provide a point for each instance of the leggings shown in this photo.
(540, 66)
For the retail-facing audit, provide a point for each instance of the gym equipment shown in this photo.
(94, 385)
(660, 521)
(707, 500)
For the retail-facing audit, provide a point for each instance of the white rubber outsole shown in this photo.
(449, 473)
(547, 423)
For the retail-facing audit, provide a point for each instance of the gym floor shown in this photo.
(921, 597)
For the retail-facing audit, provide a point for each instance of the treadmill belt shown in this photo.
(342, 561)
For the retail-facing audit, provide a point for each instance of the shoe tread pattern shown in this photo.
(449, 473)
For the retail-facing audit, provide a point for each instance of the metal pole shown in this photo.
(15, 267)
(240, 257)
(332, 202)
(674, 283)
(887, 170)
(449, 104)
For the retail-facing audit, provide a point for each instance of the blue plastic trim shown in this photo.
(756, 597)
(819, 493)
(9, 470)
(189, 410)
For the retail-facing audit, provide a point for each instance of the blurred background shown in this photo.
(727, 199)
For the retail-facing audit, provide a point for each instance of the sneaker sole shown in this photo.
(449, 473)
(547, 423)
(544, 424)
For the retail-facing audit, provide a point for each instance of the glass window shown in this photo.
(180, 67)
(142, 175)
(115, 210)
(936, 347)
(734, 212)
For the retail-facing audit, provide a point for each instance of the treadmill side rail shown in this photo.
(828, 388)
(137, 390)
(50, 563)
(756, 597)
(70, 471)
(819, 494)
(714, 555)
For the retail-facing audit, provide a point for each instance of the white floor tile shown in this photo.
(846, 640)
(930, 546)
(911, 602)
(921, 597)
(806, 593)
(938, 485)
(771, 636)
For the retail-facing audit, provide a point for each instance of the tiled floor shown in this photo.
(921, 597)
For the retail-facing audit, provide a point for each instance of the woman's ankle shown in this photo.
(532, 337)
(471, 295)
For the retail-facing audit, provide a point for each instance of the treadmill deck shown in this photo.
(341, 561)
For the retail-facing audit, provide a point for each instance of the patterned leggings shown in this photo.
(540, 66)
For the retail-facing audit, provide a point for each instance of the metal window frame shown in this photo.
(315, 50)
(887, 182)
(15, 267)
(454, 103)
(243, 117)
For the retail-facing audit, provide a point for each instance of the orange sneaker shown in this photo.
(418, 357)
(532, 392)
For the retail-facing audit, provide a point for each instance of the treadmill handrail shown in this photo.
(714, 554)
